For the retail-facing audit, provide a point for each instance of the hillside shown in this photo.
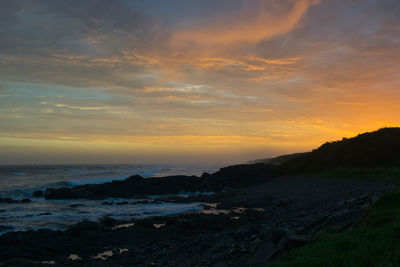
(277, 160)
(375, 240)
(369, 150)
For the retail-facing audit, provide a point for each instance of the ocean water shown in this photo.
(18, 182)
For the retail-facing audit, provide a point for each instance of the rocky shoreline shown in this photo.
(237, 176)
(249, 223)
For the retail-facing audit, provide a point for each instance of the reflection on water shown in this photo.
(158, 225)
(74, 257)
(212, 209)
(104, 255)
(109, 253)
(125, 225)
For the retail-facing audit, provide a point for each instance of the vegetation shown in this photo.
(278, 160)
(369, 150)
(376, 240)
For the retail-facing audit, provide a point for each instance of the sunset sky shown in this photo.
(192, 81)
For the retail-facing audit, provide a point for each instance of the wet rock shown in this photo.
(122, 203)
(76, 205)
(22, 262)
(25, 200)
(145, 223)
(8, 200)
(274, 235)
(142, 202)
(282, 244)
(83, 227)
(38, 193)
(221, 264)
(5, 228)
(262, 254)
(295, 241)
(198, 239)
(282, 203)
(107, 221)
(136, 186)
(288, 231)
(61, 193)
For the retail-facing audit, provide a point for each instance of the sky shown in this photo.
(192, 81)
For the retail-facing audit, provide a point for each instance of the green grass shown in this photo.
(375, 242)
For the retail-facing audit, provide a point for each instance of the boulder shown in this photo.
(25, 200)
(38, 193)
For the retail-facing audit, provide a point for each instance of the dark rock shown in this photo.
(38, 193)
(107, 221)
(295, 241)
(145, 224)
(282, 244)
(25, 200)
(75, 205)
(142, 202)
(199, 239)
(282, 203)
(221, 264)
(230, 177)
(83, 226)
(8, 200)
(274, 235)
(243, 231)
(262, 254)
(5, 228)
(122, 203)
(61, 193)
(205, 174)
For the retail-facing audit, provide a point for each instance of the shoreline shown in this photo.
(279, 214)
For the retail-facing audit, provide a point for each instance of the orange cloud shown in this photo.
(272, 73)
(251, 25)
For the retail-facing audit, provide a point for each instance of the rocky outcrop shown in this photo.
(10, 200)
(230, 177)
(247, 226)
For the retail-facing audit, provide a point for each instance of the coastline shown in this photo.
(247, 225)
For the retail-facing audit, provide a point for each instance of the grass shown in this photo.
(375, 242)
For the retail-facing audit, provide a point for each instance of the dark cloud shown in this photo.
(74, 27)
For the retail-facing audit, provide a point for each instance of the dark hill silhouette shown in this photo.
(277, 160)
(368, 150)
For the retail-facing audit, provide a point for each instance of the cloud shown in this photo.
(280, 71)
(256, 22)
(72, 107)
(74, 27)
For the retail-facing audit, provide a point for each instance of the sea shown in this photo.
(19, 182)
